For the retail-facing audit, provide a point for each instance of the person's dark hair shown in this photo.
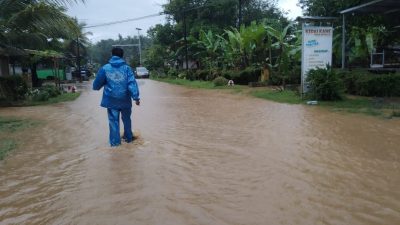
(117, 52)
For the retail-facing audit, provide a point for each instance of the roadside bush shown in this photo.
(13, 88)
(244, 77)
(191, 75)
(250, 74)
(274, 79)
(324, 84)
(380, 85)
(367, 84)
(158, 73)
(51, 90)
(230, 74)
(38, 95)
(202, 74)
(220, 81)
(172, 73)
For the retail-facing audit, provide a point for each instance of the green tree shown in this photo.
(287, 49)
(362, 29)
(34, 24)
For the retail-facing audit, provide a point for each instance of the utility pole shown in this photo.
(185, 38)
(240, 13)
(78, 60)
(140, 46)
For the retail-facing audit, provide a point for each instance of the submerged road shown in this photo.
(202, 158)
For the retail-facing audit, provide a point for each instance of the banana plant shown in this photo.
(285, 48)
(208, 49)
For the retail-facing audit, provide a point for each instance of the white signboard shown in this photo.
(316, 50)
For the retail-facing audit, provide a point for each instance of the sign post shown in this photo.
(316, 50)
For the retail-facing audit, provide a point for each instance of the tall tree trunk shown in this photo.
(35, 79)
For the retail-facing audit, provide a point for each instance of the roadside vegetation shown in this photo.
(264, 49)
(33, 35)
(14, 92)
(384, 107)
(9, 131)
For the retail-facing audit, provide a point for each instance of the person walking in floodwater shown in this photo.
(119, 87)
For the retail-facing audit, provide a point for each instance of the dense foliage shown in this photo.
(214, 39)
(324, 84)
(374, 85)
(12, 88)
(365, 32)
(37, 25)
(220, 81)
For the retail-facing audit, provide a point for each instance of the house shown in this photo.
(5, 53)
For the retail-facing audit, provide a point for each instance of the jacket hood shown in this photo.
(116, 61)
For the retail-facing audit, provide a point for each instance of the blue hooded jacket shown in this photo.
(119, 84)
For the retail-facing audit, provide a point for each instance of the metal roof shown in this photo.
(377, 6)
(6, 50)
(315, 18)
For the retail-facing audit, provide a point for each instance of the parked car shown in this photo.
(85, 73)
(142, 72)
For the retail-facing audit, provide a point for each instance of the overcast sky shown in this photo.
(102, 11)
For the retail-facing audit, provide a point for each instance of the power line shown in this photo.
(124, 21)
(152, 15)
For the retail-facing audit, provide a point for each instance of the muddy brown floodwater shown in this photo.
(204, 158)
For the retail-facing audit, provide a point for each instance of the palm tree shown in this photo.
(30, 24)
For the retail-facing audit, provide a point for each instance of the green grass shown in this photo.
(363, 105)
(10, 124)
(65, 97)
(9, 127)
(187, 83)
(286, 96)
(6, 146)
(200, 84)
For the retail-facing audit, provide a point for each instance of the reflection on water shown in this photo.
(203, 157)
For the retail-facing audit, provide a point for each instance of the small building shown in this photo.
(5, 53)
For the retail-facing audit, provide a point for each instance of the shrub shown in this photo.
(324, 84)
(191, 75)
(230, 74)
(202, 74)
(220, 81)
(51, 90)
(13, 88)
(380, 85)
(367, 84)
(172, 73)
(244, 77)
(38, 95)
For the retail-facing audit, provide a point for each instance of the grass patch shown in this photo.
(286, 96)
(8, 127)
(188, 83)
(65, 97)
(363, 105)
(200, 84)
(6, 146)
(10, 124)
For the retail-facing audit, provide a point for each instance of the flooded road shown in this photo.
(203, 157)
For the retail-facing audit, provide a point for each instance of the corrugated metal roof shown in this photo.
(377, 6)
